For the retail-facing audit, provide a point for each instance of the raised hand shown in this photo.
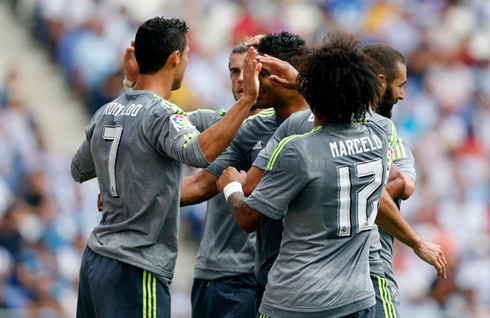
(131, 67)
(253, 41)
(288, 73)
(251, 75)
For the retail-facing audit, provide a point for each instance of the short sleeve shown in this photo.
(404, 159)
(173, 135)
(281, 184)
(202, 119)
(82, 164)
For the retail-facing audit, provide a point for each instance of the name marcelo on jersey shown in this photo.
(354, 146)
(116, 109)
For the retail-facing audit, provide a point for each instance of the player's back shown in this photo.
(136, 144)
(323, 264)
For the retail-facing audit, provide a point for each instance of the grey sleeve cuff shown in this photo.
(264, 206)
(261, 162)
(215, 169)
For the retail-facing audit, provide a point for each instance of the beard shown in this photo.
(385, 106)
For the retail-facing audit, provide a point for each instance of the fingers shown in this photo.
(258, 68)
(99, 203)
(254, 40)
(269, 60)
(278, 80)
(132, 43)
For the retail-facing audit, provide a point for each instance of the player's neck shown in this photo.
(162, 85)
(296, 104)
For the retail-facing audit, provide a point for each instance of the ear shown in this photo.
(175, 57)
(382, 78)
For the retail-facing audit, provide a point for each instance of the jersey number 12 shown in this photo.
(364, 221)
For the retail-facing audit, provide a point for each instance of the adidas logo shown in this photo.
(258, 145)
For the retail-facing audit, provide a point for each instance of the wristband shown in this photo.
(127, 83)
(231, 188)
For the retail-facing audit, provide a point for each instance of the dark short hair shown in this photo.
(386, 57)
(338, 81)
(155, 40)
(284, 46)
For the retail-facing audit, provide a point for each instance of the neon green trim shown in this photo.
(277, 150)
(282, 143)
(149, 295)
(398, 152)
(265, 113)
(176, 109)
(144, 294)
(209, 283)
(154, 297)
(381, 292)
(402, 146)
(390, 302)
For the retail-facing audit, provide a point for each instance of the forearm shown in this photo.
(247, 218)
(391, 221)
(254, 176)
(215, 139)
(198, 188)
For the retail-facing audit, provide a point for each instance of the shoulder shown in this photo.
(260, 117)
(301, 116)
(164, 105)
(291, 144)
(210, 114)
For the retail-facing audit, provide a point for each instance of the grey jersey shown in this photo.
(225, 249)
(135, 146)
(300, 123)
(327, 184)
(251, 138)
(405, 162)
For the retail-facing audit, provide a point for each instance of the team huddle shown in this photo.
(304, 178)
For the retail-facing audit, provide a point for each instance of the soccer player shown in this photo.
(221, 243)
(328, 197)
(224, 281)
(302, 122)
(135, 146)
(392, 70)
(225, 259)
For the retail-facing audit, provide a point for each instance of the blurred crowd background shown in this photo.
(45, 217)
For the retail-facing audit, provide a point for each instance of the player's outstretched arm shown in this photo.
(390, 220)
(217, 137)
(230, 183)
(287, 71)
(198, 188)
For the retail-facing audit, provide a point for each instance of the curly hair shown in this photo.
(155, 40)
(338, 81)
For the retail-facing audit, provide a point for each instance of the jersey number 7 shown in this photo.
(113, 133)
(365, 221)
